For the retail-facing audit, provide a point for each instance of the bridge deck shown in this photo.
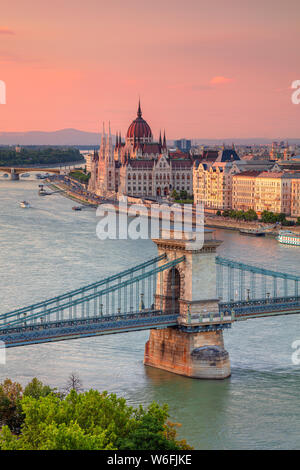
(88, 327)
(259, 308)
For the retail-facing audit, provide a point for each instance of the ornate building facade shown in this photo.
(214, 183)
(138, 167)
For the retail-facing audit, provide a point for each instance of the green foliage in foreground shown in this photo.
(89, 421)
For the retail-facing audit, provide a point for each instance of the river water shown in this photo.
(49, 249)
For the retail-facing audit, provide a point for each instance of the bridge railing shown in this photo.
(238, 281)
(126, 295)
(68, 329)
(146, 314)
(260, 307)
(40, 307)
(261, 301)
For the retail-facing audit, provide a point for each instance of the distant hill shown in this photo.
(245, 141)
(82, 138)
(60, 137)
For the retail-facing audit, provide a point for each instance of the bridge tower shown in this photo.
(191, 348)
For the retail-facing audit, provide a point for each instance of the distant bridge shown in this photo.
(15, 172)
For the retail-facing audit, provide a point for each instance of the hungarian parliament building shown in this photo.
(139, 167)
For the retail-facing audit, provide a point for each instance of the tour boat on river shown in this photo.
(24, 204)
(289, 238)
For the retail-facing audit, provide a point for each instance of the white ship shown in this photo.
(289, 238)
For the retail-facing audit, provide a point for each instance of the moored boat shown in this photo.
(289, 238)
(42, 192)
(252, 232)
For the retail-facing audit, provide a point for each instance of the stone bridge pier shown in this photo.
(192, 348)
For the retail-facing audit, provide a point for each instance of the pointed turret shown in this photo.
(165, 142)
(103, 143)
(160, 142)
(108, 148)
(139, 111)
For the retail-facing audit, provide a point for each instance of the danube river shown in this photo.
(49, 249)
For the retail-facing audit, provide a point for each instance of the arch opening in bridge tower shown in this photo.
(173, 291)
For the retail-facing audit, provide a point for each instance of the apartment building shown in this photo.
(295, 196)
(273, 192)
(243, 190)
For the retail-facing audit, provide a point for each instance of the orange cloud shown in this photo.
(6, 31)
(219, 80)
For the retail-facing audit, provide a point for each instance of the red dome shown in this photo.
(139, 129)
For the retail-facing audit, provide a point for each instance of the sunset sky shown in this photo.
(203, 69)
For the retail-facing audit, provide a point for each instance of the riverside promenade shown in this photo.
(76, 191)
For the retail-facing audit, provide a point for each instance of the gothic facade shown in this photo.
(139, 166)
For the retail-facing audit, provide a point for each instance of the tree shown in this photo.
(37, 389)
(90, 420)
(10, 407)
(152, 431)
(250, 215)
(271, 217)
(11, 394)
(32, 155)
(73, 383)
(183, 194)
(174, 194)
(80, 176)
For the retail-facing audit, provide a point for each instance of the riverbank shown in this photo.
(232, 224)
(211, 221)
(65, 191)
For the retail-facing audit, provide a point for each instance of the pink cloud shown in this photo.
(219, 80)
(6, 31)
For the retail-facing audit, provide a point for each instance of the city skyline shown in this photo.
(71, 65)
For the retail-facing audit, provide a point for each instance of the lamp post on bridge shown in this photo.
(248, 294)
